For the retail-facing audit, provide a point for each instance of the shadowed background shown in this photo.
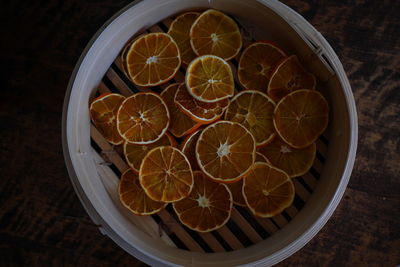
(42, 222)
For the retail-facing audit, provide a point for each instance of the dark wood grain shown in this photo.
(42, 222)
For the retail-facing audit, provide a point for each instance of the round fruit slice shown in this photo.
(207, 208)
(165, 174)
(257, 63)
(143, 118)
(180, 124)
(301, 117)
(133, 196)
(134, 153)
(236, 188)
(288, 77)
(225, 151)
(255, 111)
(153, 59)
(267, 190)
(180, 31)
(295, 162)
(199, 111)
(188, 148)
(103, 112)
(214, 33)
(209, 79)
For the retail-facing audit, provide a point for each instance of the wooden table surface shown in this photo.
(42, 222)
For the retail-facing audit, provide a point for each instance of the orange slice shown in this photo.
(153, 59)
(134, 153)
(103, 112)
(295, 162)
(165, 174)
(255, 111)
(133, 196)
(199, 111)
(209, 79)
(225, 151)
(301, 117)
(214, 33)
(257, 63)
(143, 118)
(180, 124)
(207, 208)
(288, 77)
(236, 188)
(180, 32)
(188, 148)
(267, 190)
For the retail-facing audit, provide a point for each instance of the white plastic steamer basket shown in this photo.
(96, 183)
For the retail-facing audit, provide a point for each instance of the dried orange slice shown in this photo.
(165, 174)
(134, 153)
(199, 111)
(209, 79)
(255, 111)
(180, 32)
(207, 208)
(143, 118)
(225, 151)
(103, 112)
(133, 196)
(288, 77)
(153, 59)
(180, 124)
(301, 117)
(295, 162)
(214, 33)
(267, 190)
(257, 63)
(188, 148)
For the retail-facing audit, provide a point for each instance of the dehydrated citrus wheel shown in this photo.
(209, 79)
(207, 208)
(255, 111)
(180, 32)
(288, 77)
(267, 190)
(301, 117)
(134, 153)
(188, 148)
(153, 59)
(295, 162)
(180, 124)
(143, 118)
(199, 111)
(103, 112)
(165, 174)
(133, 196)
(214, 33)
(236, 188)
(257, 63)
(225, 151)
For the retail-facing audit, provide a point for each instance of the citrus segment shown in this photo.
(153, 59)
(207, 208)
(301, 117)
(214, 33)
(257, 63)
(255, 111)
(225, 151)
(288, 77)
(188, 148)
(180, 124)
(267, 190)
(261, 158)
(165, 174)
(180, 32)
(133, 196)
(209, 79)
(295, 162)
(103, 112)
